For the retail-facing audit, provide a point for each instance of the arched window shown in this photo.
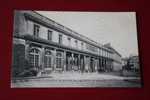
(34, 57)
(59, 59)
(48, 59)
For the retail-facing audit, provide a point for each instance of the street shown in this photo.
(76, 80)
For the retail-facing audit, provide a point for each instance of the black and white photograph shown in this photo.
(75, 49)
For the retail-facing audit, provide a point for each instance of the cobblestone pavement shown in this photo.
(76, 80)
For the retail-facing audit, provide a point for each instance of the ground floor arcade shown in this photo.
(47, 59)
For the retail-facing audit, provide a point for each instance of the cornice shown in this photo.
(43, 41)
(58, 27)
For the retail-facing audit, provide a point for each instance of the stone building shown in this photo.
(133, 63)
(46, 46)
(116, 57)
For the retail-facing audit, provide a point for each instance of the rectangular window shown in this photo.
(76, 43)
(60, 39)
(36, 30)
(82, 45)
(49, 35)
(69, 38)
(69, 41)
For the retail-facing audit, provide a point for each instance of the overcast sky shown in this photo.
(117, 28)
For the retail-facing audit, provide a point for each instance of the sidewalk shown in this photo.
(87, 76)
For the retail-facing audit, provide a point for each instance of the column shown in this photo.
(72, 61)
(41, 62)
(82, 63)
(16, 58)
(105, 64)
(54, 55)
(27, 48)
(96, 65)
(42, 58)
(85, 63)
(90, 64)
(64, 69)
(102, 68)
(79, 66)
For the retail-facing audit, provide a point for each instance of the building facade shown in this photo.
(133, 63)
(46, 46)
(117, 58)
